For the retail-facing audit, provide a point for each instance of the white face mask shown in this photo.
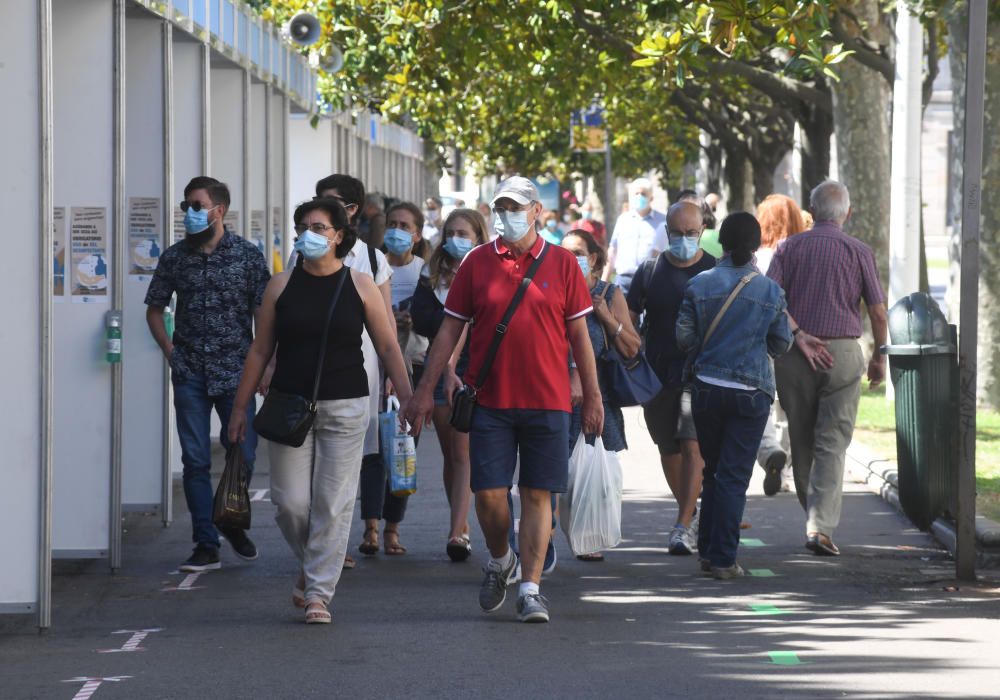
(432, 215)
(512, 226)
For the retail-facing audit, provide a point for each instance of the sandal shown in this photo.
(369, 542)
(459, 548)
(593, 556)
(349, 563)
(821, 545)
(316, 613)
(390, 543)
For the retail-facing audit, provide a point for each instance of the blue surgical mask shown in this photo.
(551, 224)
(196, 221)
(587, 215)
(584, 264)
(312, 246)
(639, 202)
(683, 248)
(512, 226)
(398, 241)
(457, 247)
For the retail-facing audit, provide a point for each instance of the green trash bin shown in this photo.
(923, 364)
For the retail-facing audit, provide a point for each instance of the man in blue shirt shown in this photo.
(219, 279)
(640, 234)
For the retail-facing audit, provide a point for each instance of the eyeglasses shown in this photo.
(513, 210)
(683, 234)
(315, 228)
(185, 205)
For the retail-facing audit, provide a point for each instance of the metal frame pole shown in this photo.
(247, 131)
(118, 284)
(167, 496)
(45, 299)
(268, 177)
(609, 187)
(206, 108)
(972, 173)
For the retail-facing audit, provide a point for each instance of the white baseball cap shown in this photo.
(520, 189)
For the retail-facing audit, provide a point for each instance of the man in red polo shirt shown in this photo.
(523, 407)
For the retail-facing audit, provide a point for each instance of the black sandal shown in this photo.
(459, 548)
(369, 547)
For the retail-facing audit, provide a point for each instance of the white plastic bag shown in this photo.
(591, 509)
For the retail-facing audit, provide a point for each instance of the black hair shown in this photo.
(217, 191)
(338, 218)
(593, 247)
(708, 219)
(687, 195)
(740, 236)
(350, 189)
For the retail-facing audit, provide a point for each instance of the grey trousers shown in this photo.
(822, 407)
(314, 488)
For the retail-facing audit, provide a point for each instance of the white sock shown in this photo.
(505, 561)
(528, 588)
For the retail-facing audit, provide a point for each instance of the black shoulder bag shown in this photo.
(464, 403)
(286, 418)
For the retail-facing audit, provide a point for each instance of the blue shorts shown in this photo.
(463, 365)
(541, 437)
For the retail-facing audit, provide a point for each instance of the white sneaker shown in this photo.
(680, 541)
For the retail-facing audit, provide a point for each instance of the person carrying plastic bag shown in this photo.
(591, 509)
(398, 451)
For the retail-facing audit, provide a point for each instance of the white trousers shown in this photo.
(314, 487)
(374, 391)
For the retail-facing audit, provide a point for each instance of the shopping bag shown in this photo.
(398, 451)
(594, 506)
(231, 507)
(578, 455)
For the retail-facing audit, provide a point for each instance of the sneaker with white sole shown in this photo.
(728, 572)
(203, 558)
(493, 590)
(533, 608)
(772, 472)
(242, 545)
(550, 558)
(680, 541)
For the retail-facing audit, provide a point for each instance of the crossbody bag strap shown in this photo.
(725, 307)
(326, 332)
(501, 328)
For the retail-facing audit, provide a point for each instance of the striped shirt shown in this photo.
(826, 274)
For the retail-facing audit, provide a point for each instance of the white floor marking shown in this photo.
(259, 495)
(187, 584)
(133, 642)
(90, 685)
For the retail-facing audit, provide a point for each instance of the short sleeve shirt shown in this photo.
(657, 291)
(826, 274)
(530, 367)
(637, 238)
(217, 294)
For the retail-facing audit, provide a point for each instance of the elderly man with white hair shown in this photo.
(640, 234)
(826, 274)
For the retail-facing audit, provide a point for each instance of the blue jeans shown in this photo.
(194, 407)
(730, 423)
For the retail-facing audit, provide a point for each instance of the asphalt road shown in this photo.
(883, 620)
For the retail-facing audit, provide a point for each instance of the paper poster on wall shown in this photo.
(277, 263)
(232, 222)
(88, 227)
(58, 253)
(143, 236)
(179, 231)
(257, 219)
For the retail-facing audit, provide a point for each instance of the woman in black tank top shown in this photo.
(314, 486)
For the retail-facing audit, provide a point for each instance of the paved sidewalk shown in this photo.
(882, 620)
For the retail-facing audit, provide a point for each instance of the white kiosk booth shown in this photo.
(113, 105)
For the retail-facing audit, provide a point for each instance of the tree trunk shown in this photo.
(860, 101)
(763, 179)
(738, 185)
(713, 156)
(989, 285)
(817, 128)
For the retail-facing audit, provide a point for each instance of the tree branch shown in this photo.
(927, 90)
(609, 39)
(867, 53)
(777, 87)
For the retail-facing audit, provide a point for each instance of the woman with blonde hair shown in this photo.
(463, 230)
(779, 217)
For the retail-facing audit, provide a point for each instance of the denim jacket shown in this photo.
(754, 329)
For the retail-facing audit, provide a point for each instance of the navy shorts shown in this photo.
(541, 437)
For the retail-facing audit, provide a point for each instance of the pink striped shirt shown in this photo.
(826, 274)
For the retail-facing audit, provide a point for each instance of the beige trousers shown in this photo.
(314, 488)
(822, 407)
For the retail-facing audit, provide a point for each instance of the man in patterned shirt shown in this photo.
(826, 274)
(219, 279)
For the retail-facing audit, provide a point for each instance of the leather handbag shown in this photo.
(463, 404)
(284, 417)
(626, 382)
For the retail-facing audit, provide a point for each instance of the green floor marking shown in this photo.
(784, 658)
(751, 542)
(762, 573)
(767, 609)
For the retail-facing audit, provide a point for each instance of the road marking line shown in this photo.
(785, 658)
(259, 494)
(90, 685)
(132, 644)
(188, 583)
(762, 573)
(767, 609)
(751, 542)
